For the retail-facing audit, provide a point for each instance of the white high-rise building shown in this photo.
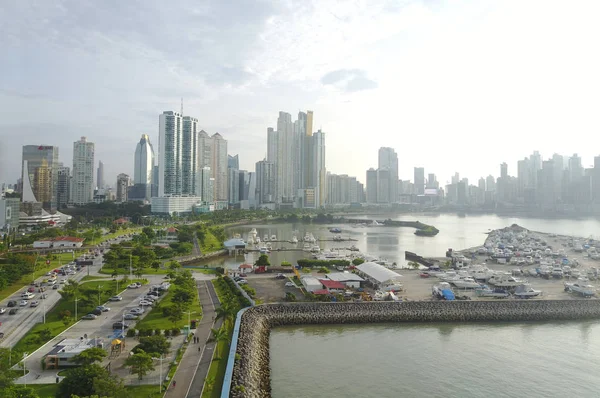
(123, 181)
(319, 171)
(170, 148)
(219, 166)
(100, 175)
(388, 159)
(189, 155)
(285, 158)
(82, 182)
(265, 182)
(143, 166)
(204, 185)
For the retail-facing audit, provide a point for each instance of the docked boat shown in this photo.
(466, 283)
(309, 238)
(294, 240)
(505, 280)
(266, 238)
(273, 238)
(481, 273)
(335, 230)
(380, 296)
(353, 248)
(264, 250)
(306, 247)
(315, 249)
(337, 238)
(581, 288)
(526, 291)
(486, 291)
(442, 291)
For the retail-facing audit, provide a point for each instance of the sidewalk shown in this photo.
(186, 371)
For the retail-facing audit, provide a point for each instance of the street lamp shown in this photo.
(76, 300)
(99, 287)
(24, 371)
(189, 322)
(161, 359)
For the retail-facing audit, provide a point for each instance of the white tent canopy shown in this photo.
(378, 273)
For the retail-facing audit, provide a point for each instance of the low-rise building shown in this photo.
(380, 276)
(311, 283)
(60, 241)
(347, 278)
(332, 286)
(61, 354)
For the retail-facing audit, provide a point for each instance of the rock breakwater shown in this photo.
(251, 373)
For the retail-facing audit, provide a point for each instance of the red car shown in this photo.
(31, 290)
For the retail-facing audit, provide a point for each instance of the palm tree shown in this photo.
(218, 335)
(226, 311)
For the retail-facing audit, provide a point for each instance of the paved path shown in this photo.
(189, 365)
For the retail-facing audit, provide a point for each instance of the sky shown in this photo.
(453, 86)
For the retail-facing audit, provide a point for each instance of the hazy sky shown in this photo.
(452, 85)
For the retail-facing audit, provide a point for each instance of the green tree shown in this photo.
(358, 261)
(219, 335)
(263, 260)
(80, 380)
(413, 265)
(153, 345)
(89, 356)
(182, 296)
(149, 232)
(140, 363)
(19, 391)
(226, 311)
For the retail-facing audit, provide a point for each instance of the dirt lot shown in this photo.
(271, 290)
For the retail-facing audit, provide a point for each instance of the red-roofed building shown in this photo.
(61, 241)
(321, 292)
(121, 221)
(171, 230)
(333, 286)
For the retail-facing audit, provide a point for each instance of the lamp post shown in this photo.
(130, 268)
(161, 359)
(99, 287)
(24, 370)
(189, 321)
(76, 300)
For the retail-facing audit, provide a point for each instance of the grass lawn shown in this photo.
(210, 243)
(45, 390)
(144, 391)
(123, 271)
(216, 371)
(92, 277)
(202, 270)
(41, 333)
(156, 320)
(41, 269)
(120, 232)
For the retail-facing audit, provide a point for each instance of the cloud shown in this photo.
(349, 80)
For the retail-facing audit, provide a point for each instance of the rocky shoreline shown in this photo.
(251, 373)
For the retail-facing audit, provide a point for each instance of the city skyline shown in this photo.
(439, 82)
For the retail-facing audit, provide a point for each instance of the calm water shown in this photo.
(437, 360)
(391, 242)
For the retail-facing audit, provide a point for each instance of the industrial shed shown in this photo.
(347, 278)
(311, 283)
(378, 275)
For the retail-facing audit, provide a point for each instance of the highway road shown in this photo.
(15, 326)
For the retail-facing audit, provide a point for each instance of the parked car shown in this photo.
(132, 286)
(103, 308)
(13, 311)
(146, 303)
(116, 298)
(1, 335)
(2, 310)
(136, 311)
(129, 317)
(89, 316)
(279, 276)
(23, 303)
(120, 325)
(150, 298)
(55, 287)
(11, 303)
(97, 312)
(289, 284)
(242, 282)
(34, 303)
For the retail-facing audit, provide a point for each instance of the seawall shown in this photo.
(251, 372)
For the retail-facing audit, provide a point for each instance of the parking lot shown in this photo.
(269, 289)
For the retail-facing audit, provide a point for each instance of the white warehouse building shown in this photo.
(311, 283)
(380, 276)
(347, 278)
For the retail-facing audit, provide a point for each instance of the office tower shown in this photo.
(143, 169)
(299, 151)
(285, 173)
(100, 175)
(233, 185)
(419, 180)
(371, 194)
(205, 185)
(63, 189)
(233, 162)
(596, 180)
(155, 171)
(219, 166)
(388, 159)
(523, 176)
(265, 182)
(383, 185)
(271, 145)
(170, 147)
(576, 171)
(41, 173)
(204, 150)
(490, 183)
(189, 155)
(307, 149)
(244, 181)
(122, 187)
(319, 171)
(559, 167)
(432, 182)
(546, 184)
(82, 182)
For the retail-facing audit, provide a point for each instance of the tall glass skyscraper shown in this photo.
(143, 169)
(40, 168)
(82, 182)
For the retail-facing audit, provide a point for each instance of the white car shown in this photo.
(289, 284)
(23, 303)
(132, 286)
(136, 311)
(116, 298)
(242, 282)
(146, 302)
(2, 310)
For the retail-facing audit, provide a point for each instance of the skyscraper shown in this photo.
(143, 168)
(371, 186)
(388, 159)
(189, 155)
(265, 182)
(170, 147)
(100, 175)
(285, 173)
(82, 182)
(63, 190)
(233, 185)
(319, 171)
(219, 166)
(419, 177)
(233, 162)
(41, 173)
(122, 187)
(205, 183)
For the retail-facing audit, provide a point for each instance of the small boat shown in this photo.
(306, 247)
(266, 238)
(315, 249)
(505, 281)
(264, 250)
(442, 291)
(337, 238)
(380, 296)
(294, 240)
(526, 291)
(486, 291)
(273, 238)
(353, 248)
(581, 288)
(335, 230)
(466, 283)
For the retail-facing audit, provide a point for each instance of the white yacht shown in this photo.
(273, 238)
(306, 247)
(466, 283)
(294, 240)
(505, 280)
(315, 249)
(266, 238)
(581, 287)
(481, 273)
(264, 250)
